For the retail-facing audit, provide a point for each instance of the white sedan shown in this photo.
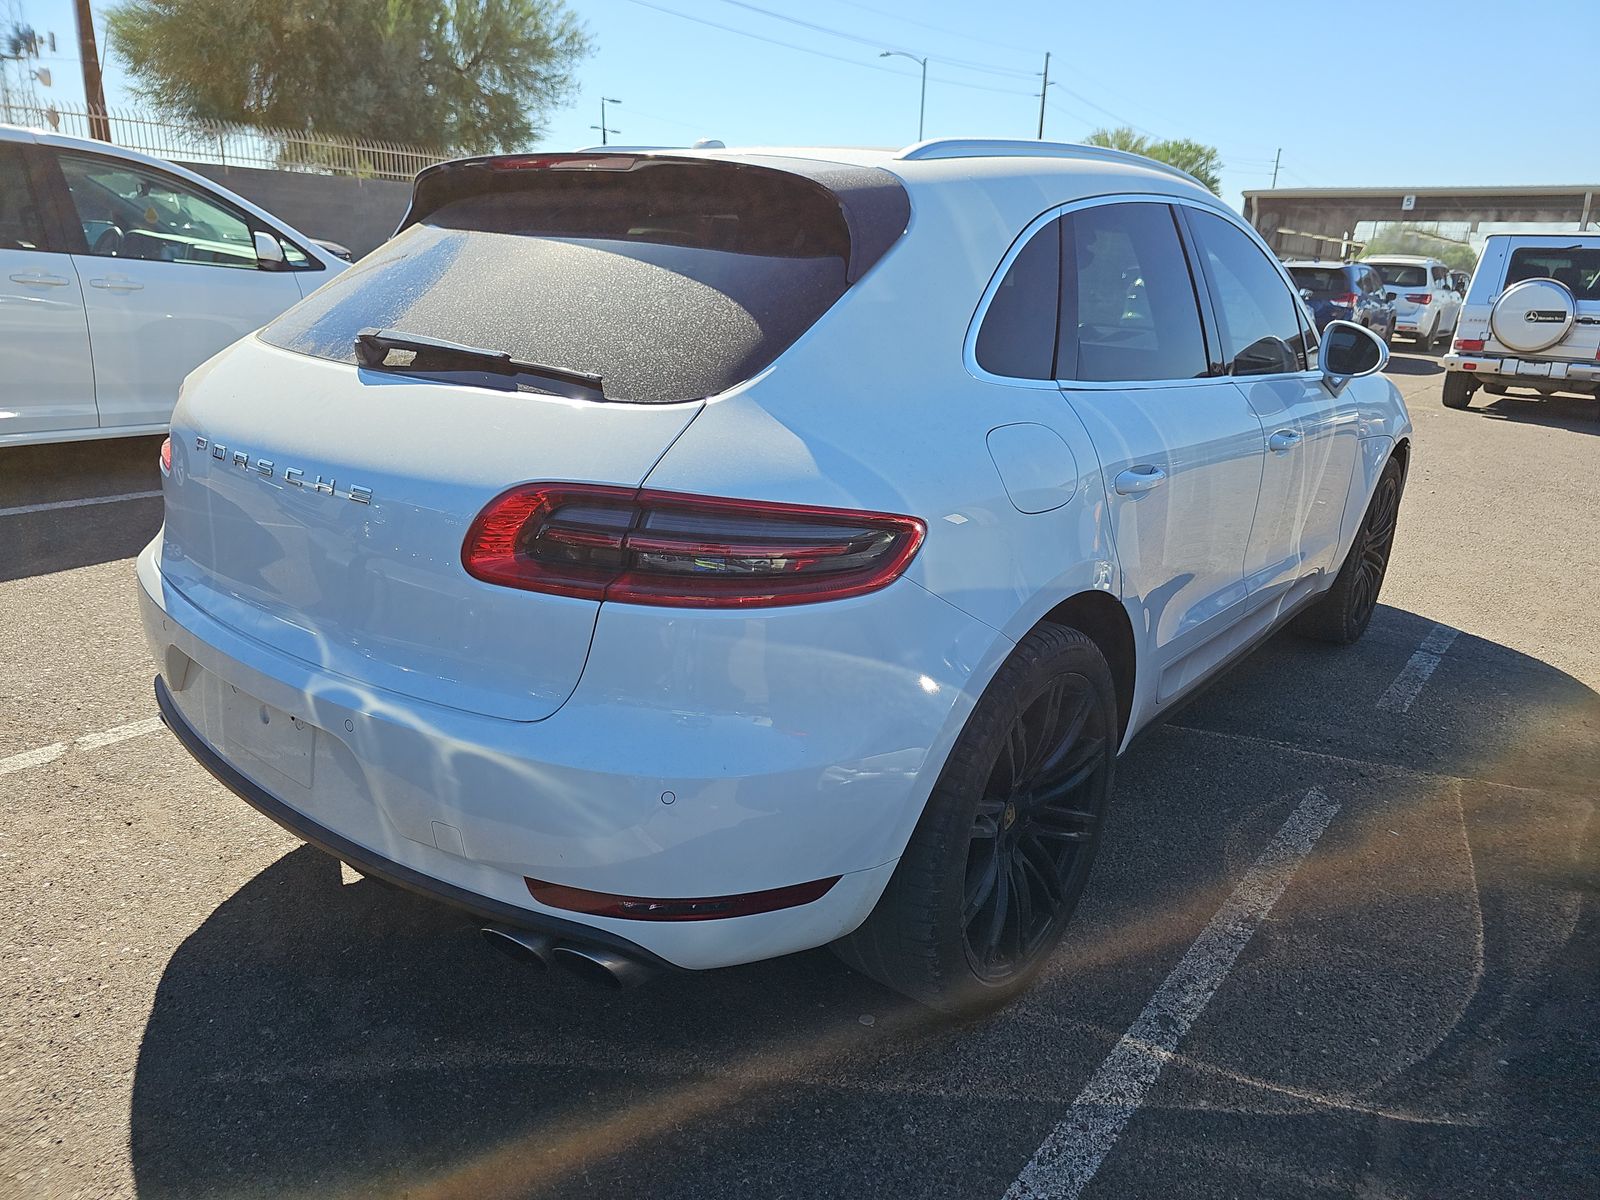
(690, 558)
(121, 273)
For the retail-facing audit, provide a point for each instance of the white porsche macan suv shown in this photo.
(691, 558)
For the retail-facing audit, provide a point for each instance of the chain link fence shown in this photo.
(234, 145)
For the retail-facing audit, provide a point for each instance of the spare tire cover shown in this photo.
(1533, 315)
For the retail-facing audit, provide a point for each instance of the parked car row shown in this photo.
(119, 274)
(1412, 295)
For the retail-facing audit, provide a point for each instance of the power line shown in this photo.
(879, 44)
(771, 41)
(971, 37)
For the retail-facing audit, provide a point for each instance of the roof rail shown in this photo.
(937, 148)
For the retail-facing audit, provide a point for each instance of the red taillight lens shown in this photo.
(166, 456)
(706, 908)
(1419, 297)
(643, 547)
(1348, 300)
(1469, 345)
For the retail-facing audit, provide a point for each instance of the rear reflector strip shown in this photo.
(705, 908)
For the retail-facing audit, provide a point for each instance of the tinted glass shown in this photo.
(1402, 275)
(1261, 329)
(20, 226)
(668, 284)
(1576, 267)
(128, 212)
(1018, 335)
(1321, 279)
(1128, 307)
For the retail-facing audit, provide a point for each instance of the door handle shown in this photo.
(39, 279)
(116, 283)
(1284, 440)
(1136, 481)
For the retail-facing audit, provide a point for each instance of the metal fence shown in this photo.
(235, 145)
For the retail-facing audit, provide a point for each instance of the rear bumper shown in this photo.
(1531, 371)
(367, 861)
(697, 757)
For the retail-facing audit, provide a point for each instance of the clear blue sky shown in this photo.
(1356, 92)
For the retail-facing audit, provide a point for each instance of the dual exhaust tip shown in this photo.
(597, 964)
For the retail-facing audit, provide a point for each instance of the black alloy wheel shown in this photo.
(1375, 540)
(1037, 815)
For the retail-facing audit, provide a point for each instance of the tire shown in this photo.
(1345, 611)
(1016, 815)
(1458, 390)
(1425, 343)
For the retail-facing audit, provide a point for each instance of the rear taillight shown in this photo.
(166, 456)
(1419, 297)
(643, 547)
(1348, 300)
(1469, 345)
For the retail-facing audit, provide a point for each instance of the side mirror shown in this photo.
(269, 252)
(1391, 297)
(1350, 351)
(1305, 293)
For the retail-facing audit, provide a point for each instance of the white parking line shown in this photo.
(21, 509)
(1076, 1147)
(89, 741)
(1415, 673)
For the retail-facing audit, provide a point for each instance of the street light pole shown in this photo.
(922, 104)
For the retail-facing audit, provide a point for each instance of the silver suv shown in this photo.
(1531, 319)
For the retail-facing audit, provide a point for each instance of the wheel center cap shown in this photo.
(1010, 817)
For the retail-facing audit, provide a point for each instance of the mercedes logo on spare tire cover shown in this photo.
(1533, 315)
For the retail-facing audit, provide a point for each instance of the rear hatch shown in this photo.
(1404, 280)
(1576, 266)
(324, 476)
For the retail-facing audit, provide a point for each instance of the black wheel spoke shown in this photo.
(1038, 814)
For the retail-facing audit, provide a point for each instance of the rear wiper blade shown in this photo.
(396, 350)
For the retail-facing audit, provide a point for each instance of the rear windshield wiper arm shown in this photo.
(396, 350)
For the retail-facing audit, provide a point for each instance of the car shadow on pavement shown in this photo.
(1575, 413)
(1412, 362)
(320, 1038)
(63, 538)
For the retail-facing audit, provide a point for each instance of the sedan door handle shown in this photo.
(39, 279)
(1284, 440)
(1135, 481)
(116, 283)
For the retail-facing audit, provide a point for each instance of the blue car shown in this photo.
(1336, 291)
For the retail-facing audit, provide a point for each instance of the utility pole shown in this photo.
(1042, 92)
(604, 126)
(1276, 159)
(94, 92)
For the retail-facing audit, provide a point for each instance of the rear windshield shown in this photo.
(670, 283)
(1322, 279)
(1402, 274)
(1577, 267)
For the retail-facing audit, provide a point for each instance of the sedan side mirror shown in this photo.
(269, 252)
(1350, 351)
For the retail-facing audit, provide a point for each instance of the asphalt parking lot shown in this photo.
(1343, 939)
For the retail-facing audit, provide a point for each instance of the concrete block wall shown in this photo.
(358, 213)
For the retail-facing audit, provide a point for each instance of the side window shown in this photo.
(1129, 310)
(1441, 277)
(129, 212)
(1018, 335)
(21, 227)
(1262, 332)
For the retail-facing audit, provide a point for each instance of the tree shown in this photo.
(454, 74)
(1202, 161)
